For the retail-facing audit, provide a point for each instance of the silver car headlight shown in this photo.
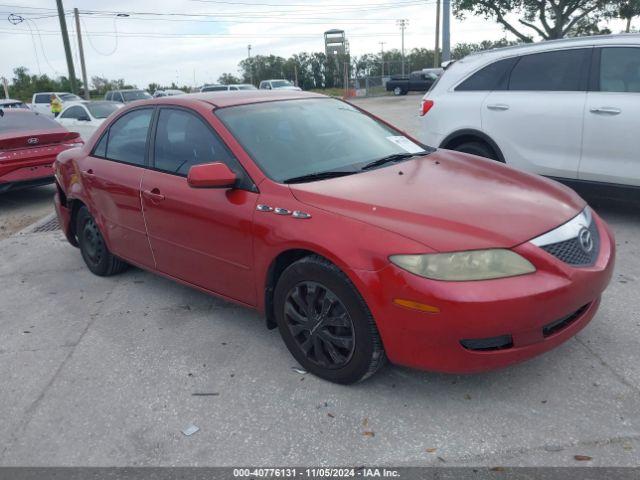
(462, 266)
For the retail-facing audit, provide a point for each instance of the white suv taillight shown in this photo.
(425, 107)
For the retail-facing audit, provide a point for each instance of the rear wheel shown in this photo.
(94, 250)
(397, 91)
(325, 323)
(477, 148)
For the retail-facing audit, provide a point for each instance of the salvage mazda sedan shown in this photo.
(355, 240)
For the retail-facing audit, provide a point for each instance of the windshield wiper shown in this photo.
(310, 177)
(396, 157)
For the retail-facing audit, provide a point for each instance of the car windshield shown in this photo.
(281, 83)
(132, 95)
(295, 138)
(69, 97)
(25, 121)
(246, 87)
(102, 109)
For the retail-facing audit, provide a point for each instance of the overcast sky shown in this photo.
(205, 38)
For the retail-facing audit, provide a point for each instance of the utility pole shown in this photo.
(83, 67)
(436, 53)
(382, 56)
(67, 47)
(446, 30)
(402, 24)
(250, 65)
(6, 87)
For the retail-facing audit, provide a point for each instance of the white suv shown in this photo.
(568, 109)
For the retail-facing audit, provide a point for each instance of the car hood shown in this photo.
(448, 201)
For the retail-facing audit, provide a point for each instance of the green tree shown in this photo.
(461, 50)
(627, 10)
(549, 19)
(228, 79)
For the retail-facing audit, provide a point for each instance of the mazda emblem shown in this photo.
(585, 239)
(33, 140)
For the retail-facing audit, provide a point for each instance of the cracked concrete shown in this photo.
(102, 371)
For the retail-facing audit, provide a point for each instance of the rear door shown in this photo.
(200, 235)
(611, 143)
(112, 175)
(536, 120)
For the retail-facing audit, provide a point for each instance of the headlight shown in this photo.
(461, 266)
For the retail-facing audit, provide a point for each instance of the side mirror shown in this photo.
(211, 175)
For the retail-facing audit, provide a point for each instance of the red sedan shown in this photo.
(29, 144)
(355, 240)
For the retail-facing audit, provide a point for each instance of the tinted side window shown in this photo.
(491, 77)
(128, 137)
(74, 112)
(43, 98)
(563, 70)
(620, 69)
(101, 148)
(109, 96)
(183, 140)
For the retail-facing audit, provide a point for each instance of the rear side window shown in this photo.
(43, 98)
(183, 140)
(494, 76)
(214, 89)
(560, 71)
(109, 96)
(127, 137)
(620, 69)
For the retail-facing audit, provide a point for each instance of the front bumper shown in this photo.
(525, 315)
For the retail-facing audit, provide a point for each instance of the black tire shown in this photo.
(338, 331)
(94, 250)
(397, 91)
(477, 148)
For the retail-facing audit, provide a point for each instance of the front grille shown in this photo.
(562, 323)
(571, 252)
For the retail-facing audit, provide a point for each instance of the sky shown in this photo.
(192, 42)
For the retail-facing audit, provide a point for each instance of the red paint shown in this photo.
(27, 156)
(215, 240)
(211, 175)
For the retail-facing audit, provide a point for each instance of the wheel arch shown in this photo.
(280, 263)
(471, 135)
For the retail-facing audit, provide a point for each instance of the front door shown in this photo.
(113, 174)
(202, 236)
(611, 145)
(537, 119)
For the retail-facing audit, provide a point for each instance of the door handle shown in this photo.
(154, 195)
(606, 110)
(498, 107)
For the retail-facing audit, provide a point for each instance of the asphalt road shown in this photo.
(103, 372)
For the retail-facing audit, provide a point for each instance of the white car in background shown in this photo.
(169, 92)
(41, 101)
(278, 84)
(227, 88)
(85, 117)
(567, 109)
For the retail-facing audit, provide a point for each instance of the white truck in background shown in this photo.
(41, 101)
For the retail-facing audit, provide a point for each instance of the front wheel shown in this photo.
(325, 323)
(94, 250)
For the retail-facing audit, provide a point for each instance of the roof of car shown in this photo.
(239, 97)
(621, 38)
